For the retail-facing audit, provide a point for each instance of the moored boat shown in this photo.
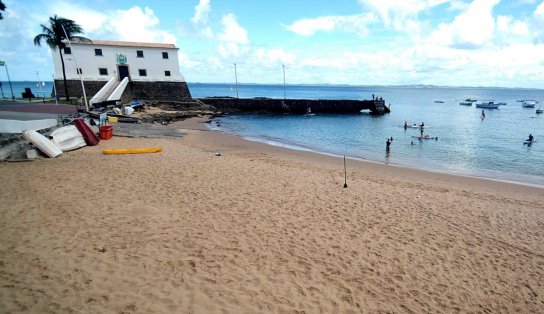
(529, 103)
(487, 105)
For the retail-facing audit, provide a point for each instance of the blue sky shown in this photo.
(359, 42)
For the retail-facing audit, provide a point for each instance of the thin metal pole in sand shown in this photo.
(345, 174)
(284, 95)
(236, 78)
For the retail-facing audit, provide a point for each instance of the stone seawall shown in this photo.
(297, 106)
(153, 91)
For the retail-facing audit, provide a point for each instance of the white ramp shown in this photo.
(105, 91)
(118, 92)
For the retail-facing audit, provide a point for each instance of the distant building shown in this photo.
(152, 69)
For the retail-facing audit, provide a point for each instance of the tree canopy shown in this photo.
(53, 34)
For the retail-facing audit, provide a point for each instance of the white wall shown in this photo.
(152, 62)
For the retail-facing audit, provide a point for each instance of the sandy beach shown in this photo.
(261, 229)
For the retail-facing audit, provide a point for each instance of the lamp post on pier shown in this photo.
(284, 95)
(236, 78)
(3, 64)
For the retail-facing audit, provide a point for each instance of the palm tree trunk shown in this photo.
(64, 75)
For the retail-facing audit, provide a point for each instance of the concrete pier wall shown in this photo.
(296, 106)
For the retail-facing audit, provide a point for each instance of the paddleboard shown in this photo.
(425, 137)
(68, 138)
(132, 151)
(527, 142)
(414, 126)
(42, 143)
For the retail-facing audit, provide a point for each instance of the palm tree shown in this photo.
(2, 8)
(53, 34)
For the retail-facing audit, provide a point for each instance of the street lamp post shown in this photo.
(77, 69)
(236, 78)
(2, 63)
(40, 84)
(284, 95)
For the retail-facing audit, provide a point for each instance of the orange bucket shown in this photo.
(106, 132)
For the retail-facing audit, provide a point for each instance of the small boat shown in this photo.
(439, 101)
(529, 103)
(132, 151)
(540, 110)
(90, 138)
(68, 138)
(465, 103)
(42, 143)
(501, 104)
(487, 105)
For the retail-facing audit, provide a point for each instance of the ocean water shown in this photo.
(41, 89)
(466, 145)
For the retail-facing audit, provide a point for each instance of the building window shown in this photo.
(139, 53)
(67, 51)
(79, 71)
(165, 55)
(143, 72)
(98, 52)
(166, 73)
(103, 71)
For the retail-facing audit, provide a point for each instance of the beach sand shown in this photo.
(260, 229)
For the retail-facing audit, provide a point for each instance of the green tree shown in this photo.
(2, 8)
(54, 35)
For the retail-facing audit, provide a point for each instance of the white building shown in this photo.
(152, 69)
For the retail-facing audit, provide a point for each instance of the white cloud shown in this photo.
(202, 10)
(134, 24)
(137, 24)
(357, 24)
(473, 28)
(200, 19)
(400, 15)
(508, 26)
(232, 31)
(273, 57)
(90, 20)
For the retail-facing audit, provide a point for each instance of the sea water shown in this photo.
(39, 89)
(466, 144)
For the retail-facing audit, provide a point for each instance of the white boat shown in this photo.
(68, 138)
(529, 103)
(487, 105)
(44, 144)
